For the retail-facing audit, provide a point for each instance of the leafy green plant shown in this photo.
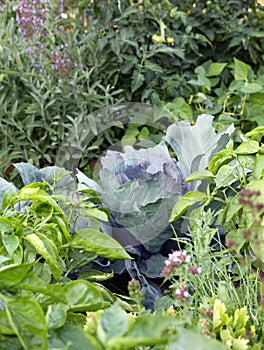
(235, 330)
(140, 36)
(116, 329)
(39, 248)
(232, 92)
(200, 285)
(234, 192)
(140, 187)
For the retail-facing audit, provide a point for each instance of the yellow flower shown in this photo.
(157, 38)
(170, 40)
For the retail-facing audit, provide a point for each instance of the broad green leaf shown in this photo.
(256, 114)
(5, 327)
(83, 296)
(251, 88)
(188, 339)
(98, 243)
(146, 330)
(144, 133)
(95, 213)
(42, 210)
(129, 343)
(95, 275)
(8, 223)
(131, 132)
(257, 185)
(27, 319)
(200, 175)
(10, 343)
(70, 338)
(113, 323)
(153, 66)
(224, 176)
(56, 315)
(8, 194)
(48, 250)
(236, 236)
(257, 131)
(11, 243)
(248, 147)
(215, 69)
(11, 275)
(154, 326)
(76, 319)
(226, 118)
(222, 157)
(78, 259)
(4, 259)
(241, 70)
(247, 161)
(232, 208)
(6, 186)
(184, 203)
(89, 193)
(137, 80)
(180, 108)
(34, 194)
(170, 50)
(33, 283)
(61, 221)
(257, 99)
(259, 166)
(42, 270)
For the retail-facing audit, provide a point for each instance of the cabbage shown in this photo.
(140, 188)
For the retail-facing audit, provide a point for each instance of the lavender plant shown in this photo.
(31, 16)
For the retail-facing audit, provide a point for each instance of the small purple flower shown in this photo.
(195, 270)
(177, 257)
(182, 293)
(61, 61)
(31, 17)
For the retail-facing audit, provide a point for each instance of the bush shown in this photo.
(113, 52)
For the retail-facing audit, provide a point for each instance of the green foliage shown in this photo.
(234, 330)
(38, 105)
(158, 52)
(231, 92)
(40, 303)
(190, 58)
(119, 330)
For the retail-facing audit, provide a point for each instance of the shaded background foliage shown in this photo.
(117, 51)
